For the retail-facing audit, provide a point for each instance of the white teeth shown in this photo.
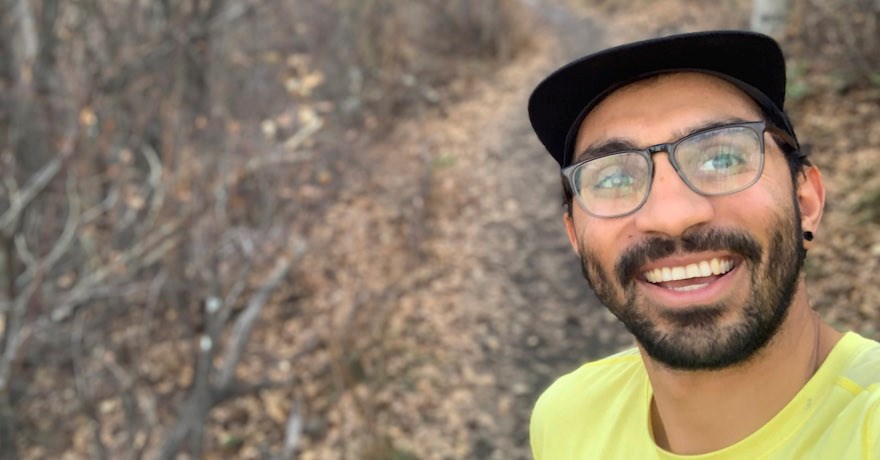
(679, 273)
(705, 269)
(715, 266)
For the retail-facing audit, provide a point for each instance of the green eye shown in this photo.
(723, 160)
(615, 180)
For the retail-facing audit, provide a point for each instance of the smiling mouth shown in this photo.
(689, 277)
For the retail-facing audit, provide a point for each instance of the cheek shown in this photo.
(775, 197)
(771, 196)
(776, 177)
(605, 239)
(750, 210)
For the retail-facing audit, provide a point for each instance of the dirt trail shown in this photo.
(523, 307)
(493, 305)
(548, 318)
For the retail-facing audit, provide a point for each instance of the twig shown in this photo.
(105, 205)
(38, 182)
(287, 153)
(292, 431)
(25, 255)
(245, 322)
(22, 199)
(15, 333)
(158, 241)
(238, 286)
(80, 385)
(203, 396)
(59, 249)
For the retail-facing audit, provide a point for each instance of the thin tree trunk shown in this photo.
(770, 17)
(8, 448)
(19, 32)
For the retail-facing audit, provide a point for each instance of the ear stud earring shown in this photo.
(808, 235)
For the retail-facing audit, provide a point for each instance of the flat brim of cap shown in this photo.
(752, 61)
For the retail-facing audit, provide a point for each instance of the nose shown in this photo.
(672, 207)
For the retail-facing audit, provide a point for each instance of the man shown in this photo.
(692, 207)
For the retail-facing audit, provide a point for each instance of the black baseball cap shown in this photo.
(751, 61)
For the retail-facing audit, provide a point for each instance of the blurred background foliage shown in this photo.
(162, 165)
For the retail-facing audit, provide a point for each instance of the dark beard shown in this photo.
(696, 341)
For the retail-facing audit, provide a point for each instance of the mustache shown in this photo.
(655, 248)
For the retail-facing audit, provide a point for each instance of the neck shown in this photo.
(695, 412)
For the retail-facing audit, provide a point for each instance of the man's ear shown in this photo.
(811, 199)
(572, 234)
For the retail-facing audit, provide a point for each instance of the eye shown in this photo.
(613, 179)
(722, 159)
(620, 176)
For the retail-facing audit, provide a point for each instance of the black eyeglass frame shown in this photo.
(758, 127)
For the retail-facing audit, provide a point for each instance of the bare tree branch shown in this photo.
(203, 396)
(61, 246)
(81, 387)
(155, 185)
(245, 322)
(161, 241)
(24, 253)
(289, 152)
(105, 205)
(292, 431)
(26, 45)
(21, 200)
(15, 333)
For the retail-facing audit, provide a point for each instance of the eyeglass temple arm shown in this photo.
(787, 139)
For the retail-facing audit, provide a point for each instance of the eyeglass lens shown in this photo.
(714, 162)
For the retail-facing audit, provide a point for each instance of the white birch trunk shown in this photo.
(770, 17)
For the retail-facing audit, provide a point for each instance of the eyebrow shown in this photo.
(616, 144)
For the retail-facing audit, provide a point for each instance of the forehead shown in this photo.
(650, 111)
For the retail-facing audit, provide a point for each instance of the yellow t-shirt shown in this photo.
(602, 410)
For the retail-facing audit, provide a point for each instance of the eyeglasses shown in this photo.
(712, 162)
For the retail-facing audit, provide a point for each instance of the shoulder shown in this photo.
(861, 381)
(578, 402)
(591, 380)
(863, 367)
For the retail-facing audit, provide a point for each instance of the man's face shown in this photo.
(749, 240)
